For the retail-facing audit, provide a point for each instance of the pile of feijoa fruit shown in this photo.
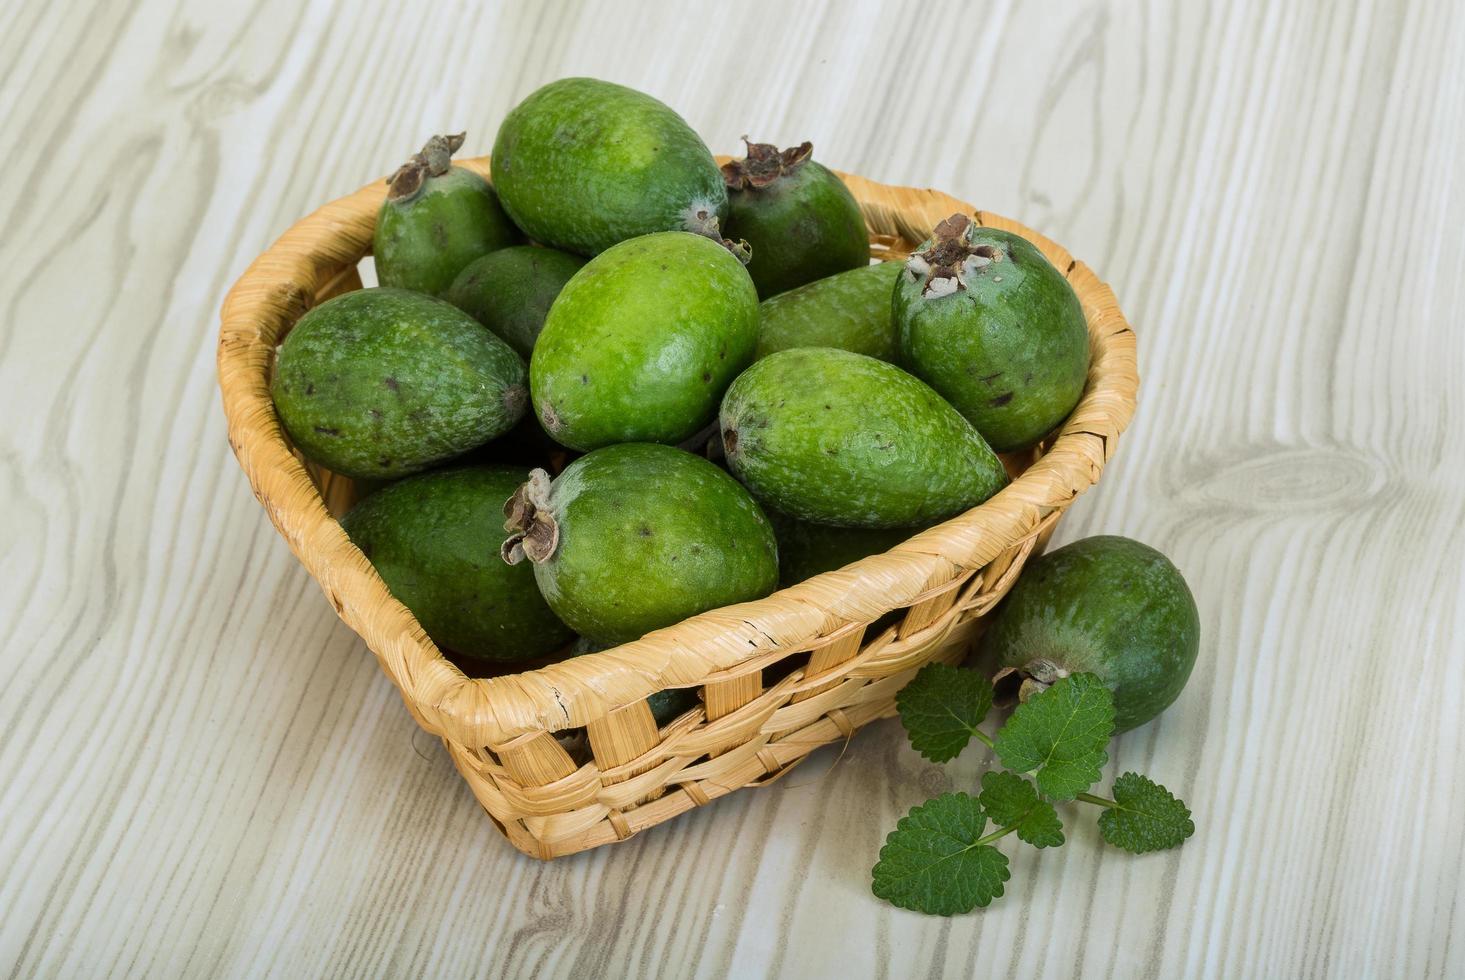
(621, 385)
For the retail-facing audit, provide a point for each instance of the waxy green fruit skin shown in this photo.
(582, 164)
(839, 438)
(511, 290)
(380, 383)
(422, 242)
(649, 535)
(434, 539)
(804, 226)
(642, 342)
(849, 310)
(1106, 605)
(1010, 351)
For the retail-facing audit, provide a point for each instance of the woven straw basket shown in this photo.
(778, 677)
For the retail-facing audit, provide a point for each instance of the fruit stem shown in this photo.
(701, 219)
(433, 160)
(534, 532)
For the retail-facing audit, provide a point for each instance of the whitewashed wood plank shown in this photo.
(203, 772)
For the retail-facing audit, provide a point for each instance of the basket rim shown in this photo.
(317, 256)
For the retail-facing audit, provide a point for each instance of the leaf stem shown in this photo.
(985, 738)
(1096, 800)
(996, 835)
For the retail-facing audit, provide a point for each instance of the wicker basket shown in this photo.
(828, 672)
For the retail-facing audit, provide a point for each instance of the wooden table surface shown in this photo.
(203, 773)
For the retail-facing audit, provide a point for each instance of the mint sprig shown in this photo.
(1059, 736)
(941, 708)
(941, 859)
(937, 861)
(1143, 816)
(1011, 801)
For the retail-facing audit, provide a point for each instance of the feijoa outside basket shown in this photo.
(778, 677)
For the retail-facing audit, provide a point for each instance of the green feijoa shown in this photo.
(434, 538)
(806, 549)
(436, 219)
(1105, 605)
(582, 164)
(797, 216)
(380, 383)
(840, 438)
(635, 537)
(511, 290)
(848, 310)
(643, 340)
(669, 705)
(989, 323)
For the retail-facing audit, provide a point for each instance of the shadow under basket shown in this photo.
(778, 677)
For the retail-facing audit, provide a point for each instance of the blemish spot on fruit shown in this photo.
(1001, 399)
(729, 441)
(391, 383)
(644, 531)
(989, 378)
(384, 462)
(550, 418)
(706, 376)
(310, 389)
(439, 235)
(327, 430)
(375, 413)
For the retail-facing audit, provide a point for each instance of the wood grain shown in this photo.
(204, 774)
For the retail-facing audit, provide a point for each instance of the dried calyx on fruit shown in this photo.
(436, 219)
(1016, 684)
(703, 221)
(764, 164)
(533, 531)
(801, 220)
(952, 259)
(433, 160)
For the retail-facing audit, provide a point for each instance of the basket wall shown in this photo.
(778, 677)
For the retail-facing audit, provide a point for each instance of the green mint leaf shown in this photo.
(1145, 816)
(1059, 735)
(933, 862)
(1011, 801)
(941, 708)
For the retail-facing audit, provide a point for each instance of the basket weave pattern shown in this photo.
(827, 669)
